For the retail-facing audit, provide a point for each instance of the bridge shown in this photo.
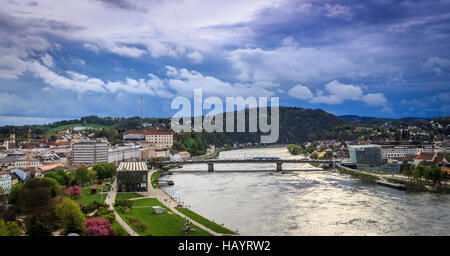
(278, 162)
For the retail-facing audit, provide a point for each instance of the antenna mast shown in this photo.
(141, 106)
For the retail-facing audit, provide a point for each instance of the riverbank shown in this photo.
(410, 185)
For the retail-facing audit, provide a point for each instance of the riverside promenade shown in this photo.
(110, 198)
(170, 203)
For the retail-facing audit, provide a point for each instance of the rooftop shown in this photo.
(132, 166)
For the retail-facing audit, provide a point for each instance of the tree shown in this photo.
(105, 170)
(436, 174)
(60, 176)
(37, 227)
(14, 193)
(35, 196)
(74, 191)
(92, 175)
(421, 170)
(407, 171)
(80, 175)
(70, 216)
(416, 174)
(427, 174)
(98, 227)
(10, 228)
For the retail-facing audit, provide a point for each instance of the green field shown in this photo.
(204, 221)
(69, 126)
(122, 196)
(154, 179)
(166, 224)
(86, 196)
(118, 230)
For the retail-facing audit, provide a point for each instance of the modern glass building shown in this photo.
(370, 155)
(132, 177)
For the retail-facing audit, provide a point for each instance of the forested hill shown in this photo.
(380, 121)
(296, 125)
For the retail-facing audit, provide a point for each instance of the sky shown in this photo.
(67, 59)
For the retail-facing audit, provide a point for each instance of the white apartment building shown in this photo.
(5, 182)
(160, 139)
(23, 163)
(122, 154)
(399, 151)
(89, 153)
(154, 138)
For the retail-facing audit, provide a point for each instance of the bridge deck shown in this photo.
(250, 161)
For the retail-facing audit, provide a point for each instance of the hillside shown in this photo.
(380, 121)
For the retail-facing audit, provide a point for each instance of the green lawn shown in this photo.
(154, 179)
(68, 126)
(118, 230)
(86, 196)
(204, 221)
(166, 224)
(122, 196)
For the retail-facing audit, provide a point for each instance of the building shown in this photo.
(160, 139)
(367, 155)
(22, 163)
(5, 182)
(123, 153)
(90, 153)
(184, 154)
(156, 138)
(424, 157)
(148, 153)
(21, 174)
(132, 177)
(162, 153)
(399, 151)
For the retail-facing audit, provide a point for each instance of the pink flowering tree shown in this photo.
(98, 227)
(74, 191)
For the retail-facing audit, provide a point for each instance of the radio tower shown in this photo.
(141, 106)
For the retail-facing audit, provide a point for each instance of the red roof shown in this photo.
(3, 172)
(438, 159)
(425, 156)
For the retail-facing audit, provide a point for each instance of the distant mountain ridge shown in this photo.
(381, 120)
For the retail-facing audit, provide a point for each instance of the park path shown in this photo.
(171, 203)
(110, 201)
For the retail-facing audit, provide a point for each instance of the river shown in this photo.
(304, 202)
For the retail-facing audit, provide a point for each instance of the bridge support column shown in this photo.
(279, 169)
(210, 167)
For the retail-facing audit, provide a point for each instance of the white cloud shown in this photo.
(375, 99)
(292, 62)
(300, 92)
(11, 65)
(184, 82)
(47, 60)
(337, 10)
(336, 93)
(437, 64)
(196, 57)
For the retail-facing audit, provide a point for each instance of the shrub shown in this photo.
(98, 227)
(123, 205)
(137, 223)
